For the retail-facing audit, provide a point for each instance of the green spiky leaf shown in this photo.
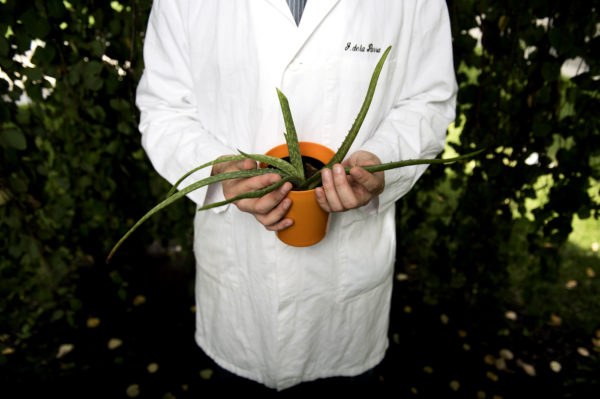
(291, 138)
(192, 187)
(347, 143)
(215, 162)
(278, 163)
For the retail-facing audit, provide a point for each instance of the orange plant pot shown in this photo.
(310, 221)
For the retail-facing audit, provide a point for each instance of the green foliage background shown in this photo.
(72, 171)
(73, 175)
(537, 125)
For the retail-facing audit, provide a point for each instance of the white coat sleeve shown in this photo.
(416, 125)
(173, 135)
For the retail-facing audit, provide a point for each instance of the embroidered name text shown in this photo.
(361, 48)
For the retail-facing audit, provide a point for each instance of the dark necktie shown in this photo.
(297, 7)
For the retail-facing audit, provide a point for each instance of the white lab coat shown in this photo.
(273, 313)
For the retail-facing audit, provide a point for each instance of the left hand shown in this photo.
(341, 192)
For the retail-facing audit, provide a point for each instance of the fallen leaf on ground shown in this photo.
(583, 351)
(527, 368)
(133, 390)
(454, 385)
(139, 300)
(93, 322)
(555, 366)
(500, 364)
(571, 284)
(8, 351)
(492, 376)
(511, 315)
(63, 350)
(555, 320)
(506, 354)
(114, 343)
(489, 359)
(206, 374)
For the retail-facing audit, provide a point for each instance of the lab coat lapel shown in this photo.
(314, 13)
(282, 7)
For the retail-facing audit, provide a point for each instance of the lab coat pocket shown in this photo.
(367, 255)
(213, 247)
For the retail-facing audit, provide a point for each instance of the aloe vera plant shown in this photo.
(291, 171)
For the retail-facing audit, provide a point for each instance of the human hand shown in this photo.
(269, 209)
(341, 192)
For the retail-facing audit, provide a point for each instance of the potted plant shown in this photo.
(292, 170)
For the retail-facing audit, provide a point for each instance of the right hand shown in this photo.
(270, 209)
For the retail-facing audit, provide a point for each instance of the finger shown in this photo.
(322, 200)
(281, 225)
(372, 182)
(239, 186)
(244, 164)
(276, 215)
(268, 202)
(335, 205)
(344, 190)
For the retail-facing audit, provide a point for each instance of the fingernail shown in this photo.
(338, 169)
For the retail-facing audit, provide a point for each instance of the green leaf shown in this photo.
(13, 137)
(96, 48)
(192, 187)
(92, 68)
(93, 82)
(97, 113)
(43, 55)
(3, 46)
(91, 75)
(119, 104)
(35, 26)
(18, 184)
(215, 162)
(251, 194)
(291, 138)
(280, 164)
(55, 8)
(74, 74)
(34, 74)
(343, 150)
(400, 164)
(347, 143)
